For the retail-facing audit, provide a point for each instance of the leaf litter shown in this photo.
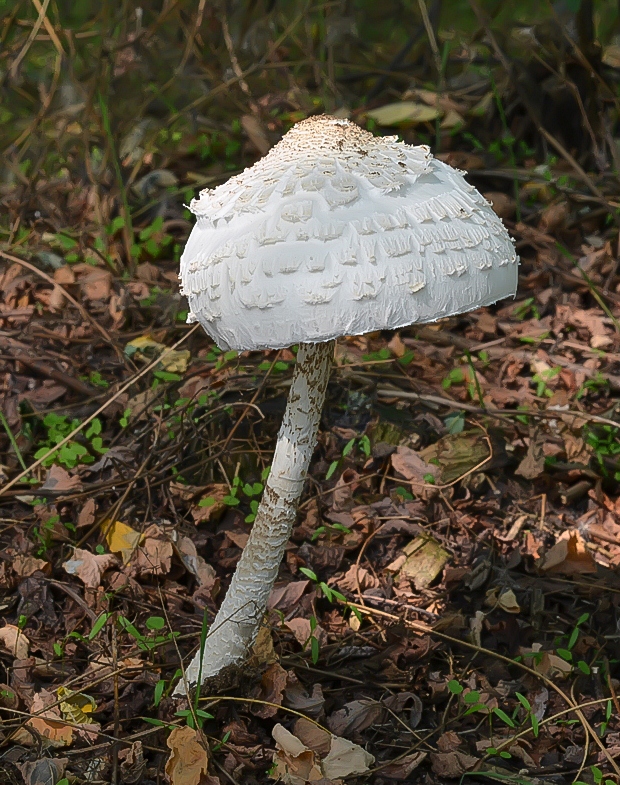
(447, 604)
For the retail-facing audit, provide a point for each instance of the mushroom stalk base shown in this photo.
(237, 622)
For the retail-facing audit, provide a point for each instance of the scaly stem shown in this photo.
(235, 627)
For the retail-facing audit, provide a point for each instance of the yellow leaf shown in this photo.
(75, 706)
(404, 112)
(121, 538)
(146, 349)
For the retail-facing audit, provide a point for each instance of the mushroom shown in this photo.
(334, 232)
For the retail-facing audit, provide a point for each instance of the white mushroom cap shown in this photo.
(338, 232)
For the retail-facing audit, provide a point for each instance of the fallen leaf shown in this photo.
(187, 763)
(59, 480)
(76, 706)
(284, 598)
(354, 717)
(121, 538)
(533, 464)
(314, 737)
(410, 465)
(86, 515)
(89, 567)
(408, 112)
(45, 771)
(210, 507)
(24, 566)
(346, 758)
(569, 556)
(302, 630)
(273, 683)
(400, 770)
(451, 764)
(133, 764)
(13, 640)
(203, 572)
(425, 558)
(154, 555)
(47, 724)
(294, 763)
(144, 348)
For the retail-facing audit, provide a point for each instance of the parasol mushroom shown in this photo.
(334, 232)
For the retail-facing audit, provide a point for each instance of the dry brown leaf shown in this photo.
(154, 556)
(452, 764)
(59, 480)
(354, 717)
(188, 761)
(272, 686)
(346, 758)
(409, 465)
(203, 572)
(210, 507)
(533, 464)
(46, 725)
(86, 515)
(403, 768)
(13, 640)
(45, 771)
(284, 598)
(301, 629)
(295, 764)
(133, 764)
(89, 567)
(24, 566)
(315, 738)
(569, 556)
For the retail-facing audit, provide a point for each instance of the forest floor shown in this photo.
(448, 602)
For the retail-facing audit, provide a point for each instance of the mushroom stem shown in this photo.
(237, 622)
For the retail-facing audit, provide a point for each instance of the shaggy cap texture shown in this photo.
(338, 232)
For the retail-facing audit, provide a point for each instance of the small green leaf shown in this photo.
(454, 687)
(565, 654)
(98, 626)
(308, 573)
(158, 692)
(332, 468)
(504, 717)
(155, 623)
(471, 697)
(584, 667)
(523, 701)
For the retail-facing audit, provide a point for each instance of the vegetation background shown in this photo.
(448, 606)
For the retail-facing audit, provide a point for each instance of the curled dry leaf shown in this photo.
(133, 764)
(45, 771)
(46, 727)
(297, 763)
(13, 640)
(188, 761)
(569, 556)
(89, 567)
(354, 717)
(401, 769)
(409, 465)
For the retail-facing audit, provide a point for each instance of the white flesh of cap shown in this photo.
(337, 232)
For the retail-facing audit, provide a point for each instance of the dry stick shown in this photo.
(551, 413)
(50, 28)
(426, 630)
(33, 34)
(83, 312)
(102, 408)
